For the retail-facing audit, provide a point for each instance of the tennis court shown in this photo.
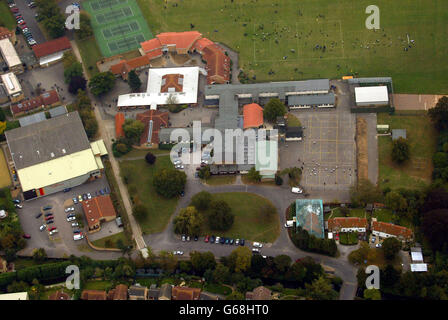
(310, 216)
(118, 25)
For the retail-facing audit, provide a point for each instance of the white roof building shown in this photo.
(419, 267)
(376, 95)
(14, 296)
(416, 257)
(11, 84)
(9, 53)
(180, 83)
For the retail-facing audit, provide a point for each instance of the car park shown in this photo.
(47, 208)
(42, 227)
(257, 245)
(69, 209)
(70, 219)
(39, 215)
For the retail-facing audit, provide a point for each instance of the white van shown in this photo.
(78, 236)
(289, 223)
(257, 245)
(296, 190)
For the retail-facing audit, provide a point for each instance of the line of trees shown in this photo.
(51, 17)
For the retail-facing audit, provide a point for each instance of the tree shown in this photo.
(372, 294)
(171, 102)
(282, 263)
(440, 159)
(220, 216)
(365, 192)
(391, 246)
(204, 173)
(189, 221)
(439, 114)
(77, 83)
(202, 261)
(73, 70)
(321, 289)
(396, 201)
(102, 83)
(133, 129)
(150, 158)
(400, 150)
(140, 212)
(169, 182)
(254, 175)
(273, 109)
(221, 274)
(39, 255)
(296, 272)
(240, 259)
(435, 228)
(68, 59)
(85, 26)
(168, 261)
(134, 81)
(201, 200)
(235, 295)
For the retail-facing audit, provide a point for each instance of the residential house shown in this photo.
(349, 224)
(259, 293)
(386, 230)
(119, 121)
(138, 293)
(153, 292)
(165, 291)
(93, 295)
(98, 209)
(185, 293)
(120, 292)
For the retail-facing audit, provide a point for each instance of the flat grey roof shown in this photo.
(58, 111)
(165, 133)
(31, 119)
(371, 80)
(398, 133)
(314, 99)
(47, 140)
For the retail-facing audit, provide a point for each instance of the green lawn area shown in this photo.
(219, 180)
(357, 212)
(217, 288)
(7, 20)
(247, 224)
(114, 238)
(139, 175)
(90, 54)
(141, 153)
(421, 135)
(348, 238)
(97, 285)
(281, 35)
(384, 215)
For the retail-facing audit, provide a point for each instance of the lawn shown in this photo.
(247, 223)
(139, 176)
(141, 153)
(97, 285)
(5, 178)
(114, 238)
(348, 238)
(7, 18)
(421, 135)
(282, 35)
(90, 54)
(384, 215)
(358, 212)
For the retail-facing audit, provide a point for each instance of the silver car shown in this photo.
(42, 227)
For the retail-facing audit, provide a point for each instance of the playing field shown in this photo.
(290, 39)
(118, 25)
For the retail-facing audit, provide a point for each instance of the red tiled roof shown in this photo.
(218, 64)
(138, 62)
(154, 54)
(349, 222)
(118, 68)
(159, 119)
(98, 208)
(119, 293)
(52, 46)
(151, 45)
(5, 33)
(172, 80)
(119, 121)
(182, 40)
(185, 293)
(45, 99)
(93, 295)
(125, 66)
(392, 229)
(201, 44)
(253, 115)
(59, 295)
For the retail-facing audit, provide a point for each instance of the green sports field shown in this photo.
(118, 25)
(282, 36)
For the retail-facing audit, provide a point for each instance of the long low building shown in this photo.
(12, 87)
(55, 154)
(10, 56)
(371, 96)
(387, 230)
(308, 101)
(349, 224)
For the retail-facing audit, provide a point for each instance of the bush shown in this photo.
(303, 240)
(201, 200)
(400, 150)
(140, 212)
(169, 182)
(150, 158)
(220, 216)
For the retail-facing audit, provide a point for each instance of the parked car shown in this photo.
(51, 228)
(75, 224)
(207, 237)
(218, 239)
(18, 206)
(222, 240)
(39, 215)
(373, 239)
(89, 196)
(67, 189)
(257, 245)
(256, 250)
(296, 190)
(184, 238)
(42, 227)
(16, 201)
(76, 231)
(84, 197)
(242, 242)
(178, 253)
(70, 219)
(227, 241)
(51, 217)
(231, 241)
(101, 192)
(78, 236)
(75, 200)
(49, 222)
(48, 208)
(212, 239)
(49, 214)
(196, 238)
(188, 238)
(80, 198)
(378, 245)
(69, 209)
(26, 236)
(237, 242)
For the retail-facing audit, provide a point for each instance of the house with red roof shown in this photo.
(119, 121)
(52, 51)
(97, 210)
(47, 99)
(252, 116)
(349, 224)
(387, 230)
(123, 68)
(153, 120)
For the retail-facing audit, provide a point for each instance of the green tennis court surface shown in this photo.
(118, 25)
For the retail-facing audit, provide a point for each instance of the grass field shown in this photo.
(5, 178)
(118, 25)
(281, 35)
(421, 135)
(139, 175)
(7, 19)
(114, 238)
(247, 224)
(358, 212)
(90, 54)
